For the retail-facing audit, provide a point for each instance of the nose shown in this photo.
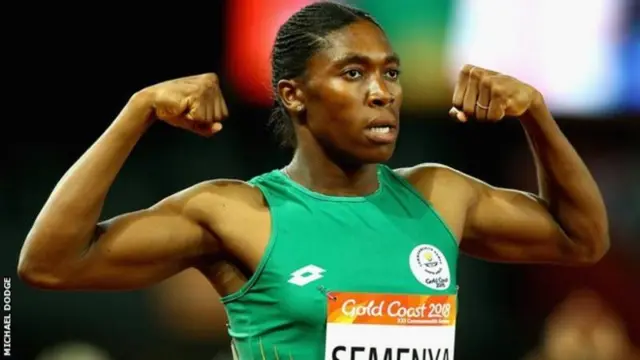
(379, 95)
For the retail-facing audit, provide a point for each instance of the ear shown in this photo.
(291, 96)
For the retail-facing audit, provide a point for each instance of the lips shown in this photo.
(382, 130)
(382, 122)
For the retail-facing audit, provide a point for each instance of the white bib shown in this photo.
(363, 326)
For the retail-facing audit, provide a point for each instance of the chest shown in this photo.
(342, 250)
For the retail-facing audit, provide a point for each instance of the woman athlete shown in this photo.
(336, 255)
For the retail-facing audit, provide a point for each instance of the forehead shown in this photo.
(362, 38)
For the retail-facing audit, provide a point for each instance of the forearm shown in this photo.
(565, 182)
(68, 219)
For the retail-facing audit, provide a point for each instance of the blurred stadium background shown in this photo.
(583, 54)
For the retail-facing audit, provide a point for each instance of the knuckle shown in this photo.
(466, 69)
(475, 74)
(210, 79)
(499, 91)
(486, 82)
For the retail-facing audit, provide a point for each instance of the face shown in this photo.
(352, 95)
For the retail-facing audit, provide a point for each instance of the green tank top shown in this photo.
(321, 244)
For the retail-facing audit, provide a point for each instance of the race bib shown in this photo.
(362, 326)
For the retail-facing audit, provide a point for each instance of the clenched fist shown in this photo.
(490, 96)
(194, 103)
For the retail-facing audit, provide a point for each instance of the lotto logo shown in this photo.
(306, 275)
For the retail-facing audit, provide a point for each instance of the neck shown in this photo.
(319, 173)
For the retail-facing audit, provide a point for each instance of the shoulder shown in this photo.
(438, 181)
(425, 169)
(436, 175)
(214, 196)
(449, 191)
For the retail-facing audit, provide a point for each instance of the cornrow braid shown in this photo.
(298, 39)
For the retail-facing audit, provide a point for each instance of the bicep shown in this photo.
(138, 249)
(514, 226)
(494, 223)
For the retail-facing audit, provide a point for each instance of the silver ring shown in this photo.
(482, 106)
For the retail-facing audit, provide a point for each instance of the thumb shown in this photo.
(458, 115)
(205, 129)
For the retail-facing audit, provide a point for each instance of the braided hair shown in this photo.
(298, 39)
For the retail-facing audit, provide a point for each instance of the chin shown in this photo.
(378, 154)
(362, 153)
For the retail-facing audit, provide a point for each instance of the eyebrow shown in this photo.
(351, 58)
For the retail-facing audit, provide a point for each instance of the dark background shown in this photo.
(71, 83)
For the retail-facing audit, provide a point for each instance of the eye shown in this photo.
(353, 74)
(393, 74)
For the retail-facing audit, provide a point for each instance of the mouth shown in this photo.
(382, 131)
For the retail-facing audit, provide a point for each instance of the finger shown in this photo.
(206, 103)
(206, 128)
(497, 107)
(207, 112)
(210, 105)
(484, 97)
(217, 106)
(223, 107)
(461, 86)
(213, 128)
(485, 72)
(197, 112)
(471, 95)
(458, 115)
(215, 103)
